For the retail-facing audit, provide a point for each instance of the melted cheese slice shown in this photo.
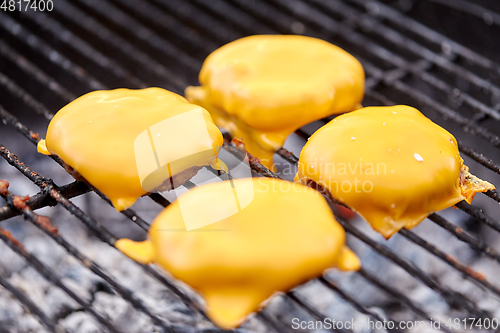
(392, 165)
(265, 236)
(130, 142)
(263, 88)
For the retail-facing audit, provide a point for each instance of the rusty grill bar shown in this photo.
(218, 22)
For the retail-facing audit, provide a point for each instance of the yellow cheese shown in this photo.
(265, 236)
(392, 165)
(129, 142)
(263, 88)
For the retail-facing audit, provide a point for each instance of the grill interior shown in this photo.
(48, 59)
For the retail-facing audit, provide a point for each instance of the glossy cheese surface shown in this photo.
(262, 88)
(392, 165)
(280, 235)
(128, 142)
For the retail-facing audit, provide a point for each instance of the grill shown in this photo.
(49, 58)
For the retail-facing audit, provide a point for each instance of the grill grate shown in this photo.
(366, 29)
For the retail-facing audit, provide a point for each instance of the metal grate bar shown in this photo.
(354, 16)
(493, 195)
(399, 296)
(398, 39)
(33, 137)
(481, 247)
(310, 309)
(102, 233)
(360, 307)
(282, 150)
(288, 156)
(419, 312)
(430, 35)
(240, 21)
(28, 304)
(481, 108)
(42, 199)
(98, 30)
(345, 32)
(48, 186)
(474, 275)
(470, 152)
(9, 119)
(205, 23)
(129, 213)
(26, 98)
(70, 207)
(473, 9)
(465, 237)
(44, 224)
(466, 150)
(447, 113)
(79, 45)
(479, 158)
(158, 198)
(450, 296)
(478, 214)
(239, 153)
(47, 51)
(50, 276)
(275, 325)
(73, 41)
(169, 24)
(467, 271)
(31, 69)
(110, 12)
(30, 101)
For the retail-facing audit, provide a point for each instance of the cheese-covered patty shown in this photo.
(392, 165)
(239, 242)
(263, 88)
(130, 142)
